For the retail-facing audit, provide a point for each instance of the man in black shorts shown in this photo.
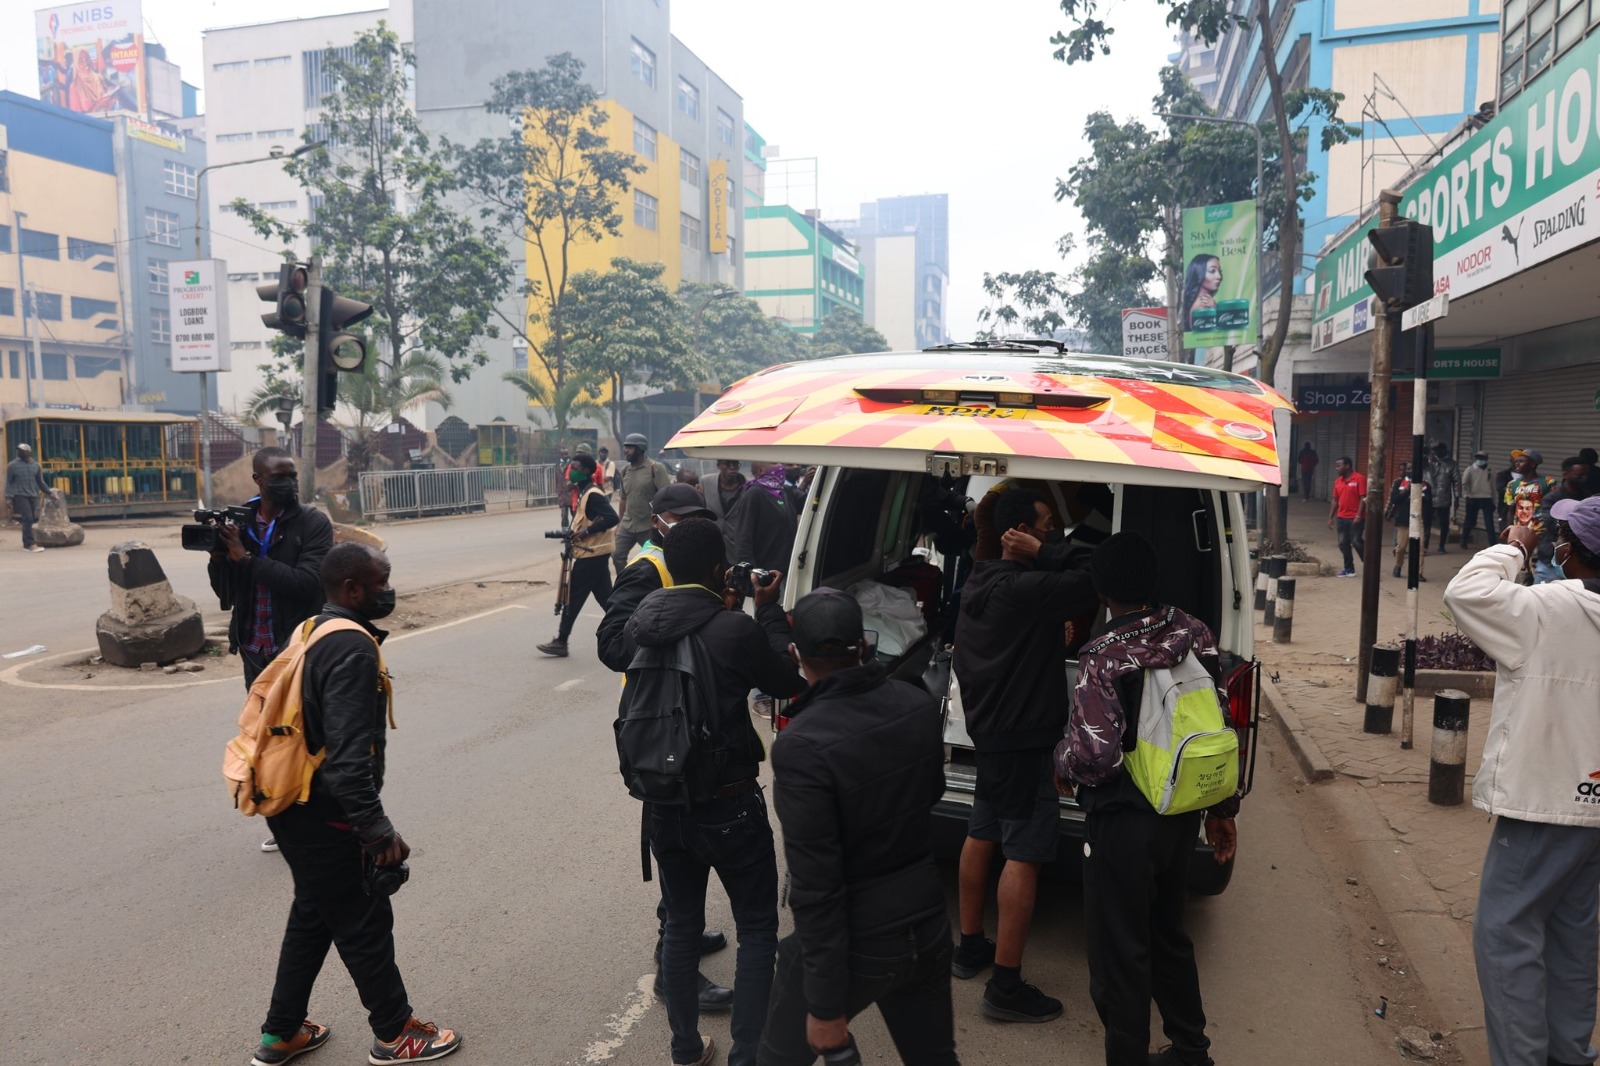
(1010, 658)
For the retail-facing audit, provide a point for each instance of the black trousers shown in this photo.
(1135, 867)
(26, 511)
(907, 976)
(589, 577)
(330, 909)
(1440, 517)
(254, 663)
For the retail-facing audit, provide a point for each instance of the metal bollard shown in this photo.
(1277, 566)
(1261, 584)
(1283, 615)
(1447, 764)
(1383, 681)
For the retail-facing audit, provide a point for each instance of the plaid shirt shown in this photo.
(259, 640)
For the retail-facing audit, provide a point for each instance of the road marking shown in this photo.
(622, 1023)
(10, 676)
(567, 685)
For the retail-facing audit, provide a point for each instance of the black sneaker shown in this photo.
(712, 996)
(557, 647)
(1168, 1056)
(309, 1037)
(966, 964)
(1025, 1003)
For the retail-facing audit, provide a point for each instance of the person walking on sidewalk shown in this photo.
(1399, 516)
(1308, 469)
(1477, 486)
(1536, 935)
(1347, 509)
(1443, 475)
(24, 480)
(639, 481)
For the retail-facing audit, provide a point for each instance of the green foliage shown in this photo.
(1031, 302)
(382, 224)
(733, 333)
(567, 404)
(627, 329)
(844, 333)
(553, 182)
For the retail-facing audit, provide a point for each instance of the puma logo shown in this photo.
(1505, 235)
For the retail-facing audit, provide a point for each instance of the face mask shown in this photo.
(283, 490)
(1481, 464)
(381, 605)
(662, 528)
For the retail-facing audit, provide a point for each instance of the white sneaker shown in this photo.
(35, 548)
(269, 844)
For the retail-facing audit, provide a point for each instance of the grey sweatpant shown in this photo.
(1536, 939)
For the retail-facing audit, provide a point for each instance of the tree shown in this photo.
(380, 219)
(381, 394)
(736, 337)
(626, 330)
(552, 182)
(844, 333)
(566, 404)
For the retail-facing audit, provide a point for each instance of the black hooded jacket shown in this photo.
(749, 653)
(290, 567)
(855, 778)
(1010, 654)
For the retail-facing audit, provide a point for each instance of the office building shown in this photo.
(800, 269)
(905, 286)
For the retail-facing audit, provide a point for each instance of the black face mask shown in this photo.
(283, 490)
(380, 605)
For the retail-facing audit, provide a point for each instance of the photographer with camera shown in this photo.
(346, 856)
(725, 827)
(590, 541)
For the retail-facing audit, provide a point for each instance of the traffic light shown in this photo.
(1401, 271)
(338, 351)
(288, 295)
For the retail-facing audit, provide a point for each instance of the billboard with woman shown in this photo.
(1218, 302)
(91, 57)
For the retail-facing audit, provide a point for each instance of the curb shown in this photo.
(1314, 765)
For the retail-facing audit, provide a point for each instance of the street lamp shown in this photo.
(205, 384)
(1261, 307)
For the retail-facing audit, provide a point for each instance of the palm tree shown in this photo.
(381, 394)
(566, 403)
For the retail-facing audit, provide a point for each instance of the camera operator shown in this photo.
(644, 575)
(269, 572)
(855, 777)
(345, 855)
(728, 833)
(591, 542)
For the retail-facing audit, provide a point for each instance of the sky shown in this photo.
(892, 97)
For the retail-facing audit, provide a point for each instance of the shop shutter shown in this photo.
(1551, 410)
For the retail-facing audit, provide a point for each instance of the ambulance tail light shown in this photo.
(1242, 685)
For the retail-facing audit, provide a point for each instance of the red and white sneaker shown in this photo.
(419, 1041)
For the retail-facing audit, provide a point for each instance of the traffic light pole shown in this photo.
(312, 375)
(1383, 332)
(1419, 418)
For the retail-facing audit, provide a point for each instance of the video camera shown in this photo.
(743, 578)
(557, 534)
(204, 535)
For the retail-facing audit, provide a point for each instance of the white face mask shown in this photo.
(1481, 463)
(1561, 564)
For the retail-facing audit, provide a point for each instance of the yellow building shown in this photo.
(59, 239)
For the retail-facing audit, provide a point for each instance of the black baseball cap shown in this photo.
(826, 622)
(680, 499)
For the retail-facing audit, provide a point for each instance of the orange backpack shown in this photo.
(267, 766)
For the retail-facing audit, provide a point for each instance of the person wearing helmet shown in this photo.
(640, 478)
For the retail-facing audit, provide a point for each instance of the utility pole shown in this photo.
(1419, 418)
(1377, 463)
(312, 374)
(22, 294)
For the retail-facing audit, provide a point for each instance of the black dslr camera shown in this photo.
(557, 534)
(384, 880)
(744, 578)
(204, 534)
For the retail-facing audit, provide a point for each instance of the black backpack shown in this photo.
(668, 743)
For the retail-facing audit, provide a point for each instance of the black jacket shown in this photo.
(745, 649)
(763, 529)
(290, 567)
(637, 580)
(855, 778)
(1010, 654)
(344, 710)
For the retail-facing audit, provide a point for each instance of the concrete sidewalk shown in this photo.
(1421, 861)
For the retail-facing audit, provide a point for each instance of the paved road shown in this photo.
(143, 920)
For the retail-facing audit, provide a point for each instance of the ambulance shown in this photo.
(907, 445)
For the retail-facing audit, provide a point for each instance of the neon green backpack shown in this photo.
(1186, 758)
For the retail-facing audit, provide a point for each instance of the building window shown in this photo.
(1535, 32)
(53, 366)
(274, 61)
(278, 205)
(244, 346)
(160, 326)
(5, 171)
(644, 209)
(92, 366)
(83, 307)
(161, 227)
(688, 98)
(643, 64)
(179, 179)
(519, 357)
(233, 138)
(16, 363)
(689, 168)
(47, 306)
(39, 244)
(156, 271)
(644, 140)
(8, 302)
(80, 250)
(5, 239)
(270, 135)
(319, 79)
(237, 64)
(689, 231)
(238, 277)
(733, 249)
(724, 127)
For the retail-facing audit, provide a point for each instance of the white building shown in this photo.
(263, 85)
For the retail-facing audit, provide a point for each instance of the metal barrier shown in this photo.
(419, 493)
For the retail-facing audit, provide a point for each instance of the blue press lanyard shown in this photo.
(260, 543)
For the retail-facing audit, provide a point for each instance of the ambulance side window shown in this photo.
(855, 515)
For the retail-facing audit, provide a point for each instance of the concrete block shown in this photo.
(147, 622)
(54, 529)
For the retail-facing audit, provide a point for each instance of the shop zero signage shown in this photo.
(1522, 190)
(199, 317)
